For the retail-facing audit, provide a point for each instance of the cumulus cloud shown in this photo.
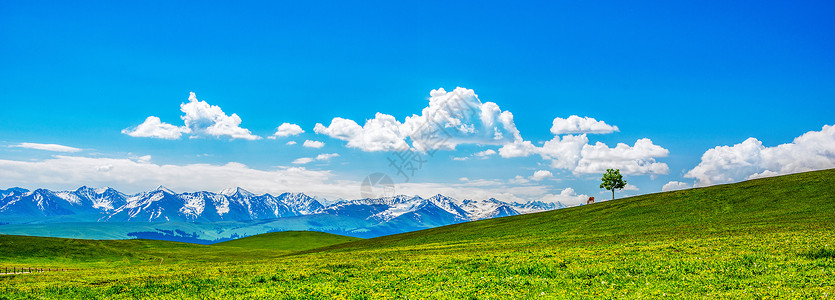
(814, 150)
(575, 125)
(382, 133)
(674, 186)
(47, 147)
(541, 174)
(573, 152)
(154, 128)
(565, 152)
(313, 144)
(290, 143)
(637, 159)
(485, 154)
(287, 129)
(452, 118)
(200, 119)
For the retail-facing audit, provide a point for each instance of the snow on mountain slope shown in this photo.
(238, 204)
(490, 208)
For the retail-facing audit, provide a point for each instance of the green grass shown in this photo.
(765, 238)
(289, 240)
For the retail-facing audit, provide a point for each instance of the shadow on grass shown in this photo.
(820, 253)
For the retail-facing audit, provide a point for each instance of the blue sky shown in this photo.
(687, 76)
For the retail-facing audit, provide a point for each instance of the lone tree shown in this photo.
(612, 180)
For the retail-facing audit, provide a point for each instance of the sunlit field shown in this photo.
(765, 238)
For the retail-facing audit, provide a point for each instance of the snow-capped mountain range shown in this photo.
(236, 204)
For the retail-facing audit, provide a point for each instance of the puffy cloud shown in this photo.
(565, 152)
(47, 147)
(814, 150)
(575, 125)
(637, 159)
(452, 118)
(383, 133)
(572, 152)
(674, 186)
(287, 129)
(154, 128)
(313, 144)
(541, 174)
(518, 148)
(200, 118)
(485, 153)
(290, 143)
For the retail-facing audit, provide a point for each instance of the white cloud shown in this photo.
(630, 187)
(154, 128)
(313, 144)
(637, 159)
(287, 129)
(518, 148)
(541, 174)
(326, 156)
(519, 180)
(303, 160)
(485, 153)
(674, 186)
(452, 118)
(572, 152)
(320, 157)
(567, 197)
(290, 143)
(383, 133)
(47, 147)
(200, 119)
(565, 152)
(575, 125)
(814, 150)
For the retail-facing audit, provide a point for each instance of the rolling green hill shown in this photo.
(803, 201)
(289, 240)
(29, 251)
(765, 238)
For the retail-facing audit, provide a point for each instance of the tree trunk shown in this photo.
(613, 194)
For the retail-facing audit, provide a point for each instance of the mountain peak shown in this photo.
(236, 190)
(164, 190)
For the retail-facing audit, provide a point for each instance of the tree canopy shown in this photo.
(612, 180)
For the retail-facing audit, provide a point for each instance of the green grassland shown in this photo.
(765, 238)
(289, 241)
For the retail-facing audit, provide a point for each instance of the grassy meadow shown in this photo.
(764, 238)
